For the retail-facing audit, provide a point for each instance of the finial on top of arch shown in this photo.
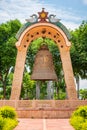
(43, 17)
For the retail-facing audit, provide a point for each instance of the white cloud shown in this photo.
(85, 1)
(71, 25)
(21, 9)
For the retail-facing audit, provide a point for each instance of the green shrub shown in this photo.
(81, 111)
(10, 124)
(8, 112)
(76, 122)
(79, 118)
(84, 125)
(2, 123)
(8, 119)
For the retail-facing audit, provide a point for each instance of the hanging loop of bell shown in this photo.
(43, 68)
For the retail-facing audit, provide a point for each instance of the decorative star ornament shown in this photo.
(43, 16)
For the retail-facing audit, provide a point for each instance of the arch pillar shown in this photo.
(68, 74)
(18, 75)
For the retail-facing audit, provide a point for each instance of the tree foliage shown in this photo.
(83, 94)
(28, 87)
(79, 50)
(8, 50)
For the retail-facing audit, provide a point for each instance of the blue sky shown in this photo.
(71, 12)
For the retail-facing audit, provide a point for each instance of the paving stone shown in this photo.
(43, 124)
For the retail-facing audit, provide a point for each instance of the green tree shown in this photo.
(79, 52)
(28, 87)
(8, 31)
(79, 49)
(83, 94)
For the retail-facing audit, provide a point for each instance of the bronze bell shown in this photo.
(43, 68)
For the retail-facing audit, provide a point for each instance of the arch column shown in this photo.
(68, 74)
(18, 75)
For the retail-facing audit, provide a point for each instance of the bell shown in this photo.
(43, 68)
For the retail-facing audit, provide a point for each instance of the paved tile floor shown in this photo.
(44, 124)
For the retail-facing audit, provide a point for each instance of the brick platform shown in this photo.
(49, 109)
